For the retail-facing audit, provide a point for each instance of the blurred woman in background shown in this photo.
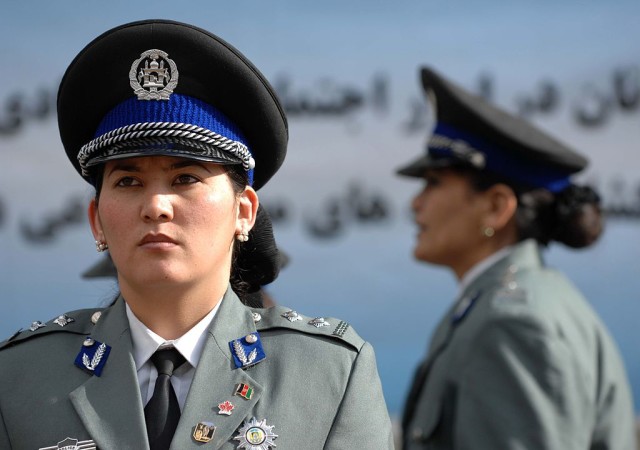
(520, 361)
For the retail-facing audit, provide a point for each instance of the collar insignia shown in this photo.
(247, 350)
(93, 356)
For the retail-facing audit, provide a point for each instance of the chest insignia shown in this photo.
(93, 356)
(247, 350)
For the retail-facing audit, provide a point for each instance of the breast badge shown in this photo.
(256, 435)
(203, 432)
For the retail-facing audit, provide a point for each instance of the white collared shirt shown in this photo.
(480, 268)
(146, 342)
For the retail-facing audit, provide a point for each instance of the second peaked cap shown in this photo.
(471, 131)
(167, 72)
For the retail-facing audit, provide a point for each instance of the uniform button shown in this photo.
(95, 317)
(417, 435)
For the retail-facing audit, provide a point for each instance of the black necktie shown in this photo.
(162, 413)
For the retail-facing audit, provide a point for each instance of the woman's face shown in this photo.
(448, 212)
(169, 220)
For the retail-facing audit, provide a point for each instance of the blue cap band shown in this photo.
(500, 161)
(177, 109)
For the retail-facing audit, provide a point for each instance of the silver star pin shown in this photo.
(291, 316)
(36, 325)
(319, 322)
(63, 320)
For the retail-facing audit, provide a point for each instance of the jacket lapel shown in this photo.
(110, 406)
(216, 379)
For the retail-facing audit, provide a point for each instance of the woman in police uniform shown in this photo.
(177, 131)
(520, 361)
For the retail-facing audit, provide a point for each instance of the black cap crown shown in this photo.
(164, 87)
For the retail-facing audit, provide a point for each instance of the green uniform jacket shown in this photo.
(521, 361)
(318, 387)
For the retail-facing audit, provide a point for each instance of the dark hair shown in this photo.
(257, 261)
(252, 263)
(572, 216)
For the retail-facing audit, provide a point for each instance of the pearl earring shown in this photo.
(488, 232)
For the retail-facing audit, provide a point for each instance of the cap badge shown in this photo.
(256, 435)
(225, 408)
(203, 432)
(247, 350)
(153, 76)
(93, 356)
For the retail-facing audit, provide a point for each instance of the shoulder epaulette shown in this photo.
(78, 322)
(283, 317)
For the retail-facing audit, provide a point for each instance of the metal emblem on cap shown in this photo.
(291, 316)
(319, 322)
(203, 432)
(63, 320)
(35, 325)
(256, 435)
(150, 77)
(225, 408)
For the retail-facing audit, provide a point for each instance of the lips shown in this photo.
(153, 239)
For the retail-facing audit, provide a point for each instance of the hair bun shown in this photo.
(579, 216)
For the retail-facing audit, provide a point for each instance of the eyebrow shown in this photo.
(188, 163)
(128, 167)
(124, 167)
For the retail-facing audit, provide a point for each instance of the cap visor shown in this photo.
(417, 168)
(209, 155)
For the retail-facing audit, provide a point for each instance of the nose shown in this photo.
(417, 201)
(157, 207)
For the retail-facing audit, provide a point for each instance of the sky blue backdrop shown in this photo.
(327, 53)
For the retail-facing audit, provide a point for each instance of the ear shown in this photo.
(247, 209)
(501, 206)
(94, 221)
